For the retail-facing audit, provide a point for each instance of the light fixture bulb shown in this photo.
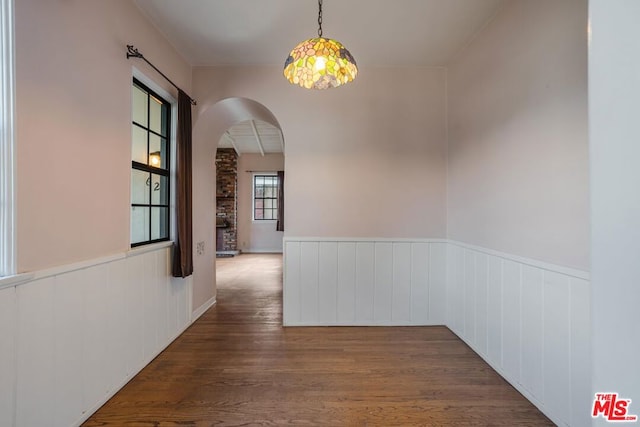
(321, 63)
(154, 159)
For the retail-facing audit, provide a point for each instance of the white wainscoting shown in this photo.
(364, 282)
(530, 321)
(74, 335)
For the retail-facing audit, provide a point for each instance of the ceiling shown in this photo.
(376, 32)
(262, 32)
(243, 139)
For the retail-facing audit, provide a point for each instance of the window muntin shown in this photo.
(265, 197)
(150, 174)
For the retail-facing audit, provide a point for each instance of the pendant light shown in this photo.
(320, 63)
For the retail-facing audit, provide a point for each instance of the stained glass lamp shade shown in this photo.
(320, 63)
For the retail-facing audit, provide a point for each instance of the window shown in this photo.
(150, 166)
(265, 197)
(7, 140)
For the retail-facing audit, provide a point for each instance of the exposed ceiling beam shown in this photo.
(232, 142)
(255, 133)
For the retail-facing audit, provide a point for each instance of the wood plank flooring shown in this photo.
(237, 366)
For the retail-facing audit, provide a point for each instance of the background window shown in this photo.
(150, 167)
(265, 197)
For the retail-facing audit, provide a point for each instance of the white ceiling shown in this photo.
(242, 138)
(263, 32)
(376, 32)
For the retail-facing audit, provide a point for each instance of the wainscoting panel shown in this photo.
(75, 335)
(346, 286)
(557, 345)
(530, 321)
(364, 282)
(7, 355)
(532, 330)
(419, 298)
(455, 289)
(36, 392)
(309, 279)
(401, 278)
(291, 276)
(511, 316)
(383, 283)
(69, 347)
(494, 310)
(580, 350)
(436, 286)
(328, 281)
(482, 302)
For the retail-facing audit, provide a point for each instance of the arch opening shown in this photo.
(212, 129)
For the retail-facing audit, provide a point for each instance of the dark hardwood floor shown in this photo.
(237, 366)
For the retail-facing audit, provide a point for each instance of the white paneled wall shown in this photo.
(364, 282)
(8, 319)
(74, 336)
(529, 320)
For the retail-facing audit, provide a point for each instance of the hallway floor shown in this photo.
(237, 366)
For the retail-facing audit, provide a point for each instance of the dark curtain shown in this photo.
(280, 223)
(183, 251)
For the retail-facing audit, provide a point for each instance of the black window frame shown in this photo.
(274, 209)
(152, 170)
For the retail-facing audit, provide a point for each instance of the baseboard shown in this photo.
(227, 253)
(262, 251)
(202, 309)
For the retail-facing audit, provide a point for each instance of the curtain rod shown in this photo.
(133, 53)
(265, 171)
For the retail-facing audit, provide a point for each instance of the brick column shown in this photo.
(227, 197)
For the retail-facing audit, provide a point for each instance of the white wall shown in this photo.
(73, 96)
(614, 91)
(256, 236)
(518, 147)
(356, 154)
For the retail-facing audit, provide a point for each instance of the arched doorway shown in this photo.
(216, 125)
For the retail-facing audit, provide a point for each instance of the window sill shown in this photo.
(139, 250)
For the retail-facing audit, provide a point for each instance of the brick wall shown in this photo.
(227, 198)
